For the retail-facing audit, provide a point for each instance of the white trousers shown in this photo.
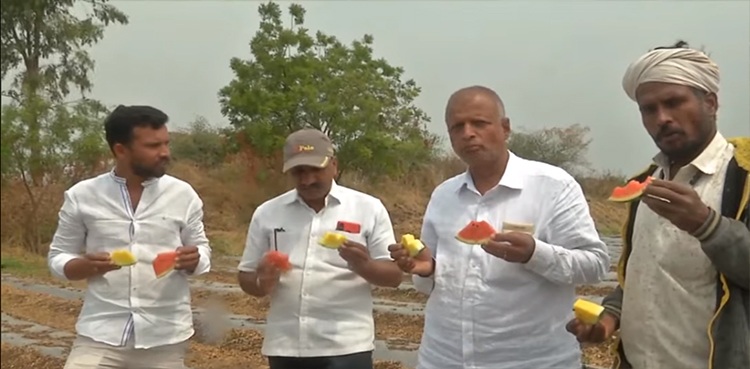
(89, 354)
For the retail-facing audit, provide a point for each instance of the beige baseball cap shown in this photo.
(309, 147)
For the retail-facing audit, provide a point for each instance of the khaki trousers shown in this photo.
(89, 354)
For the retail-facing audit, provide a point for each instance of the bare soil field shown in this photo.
(239, 347)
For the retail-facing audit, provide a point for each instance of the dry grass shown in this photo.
(233, 190)
(13, 357)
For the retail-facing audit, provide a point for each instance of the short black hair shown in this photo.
(680, 44)
(119, 125)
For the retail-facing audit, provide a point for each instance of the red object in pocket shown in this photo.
(348, 227)
(279, 260)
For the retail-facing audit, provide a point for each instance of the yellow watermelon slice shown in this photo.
(123, 257)
(476, 233)
(164, 263)
(631, 191)
(587, 312)
(411, 244)
(332, 240)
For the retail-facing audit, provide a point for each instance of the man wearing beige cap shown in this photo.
(321, 308)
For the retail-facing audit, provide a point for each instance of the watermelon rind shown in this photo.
(637, 187)
(473, 242)
(627, 198)
(164, 263)
(488, 230)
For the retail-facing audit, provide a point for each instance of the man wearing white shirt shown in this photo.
(130, 318)
(503, 304)
(321, 310)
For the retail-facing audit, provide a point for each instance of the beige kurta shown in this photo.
(670, 289)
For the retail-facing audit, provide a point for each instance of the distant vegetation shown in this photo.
(52, 138)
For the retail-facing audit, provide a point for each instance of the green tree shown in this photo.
(296, 79)
(46, 137)
(565, 147)
(201, 143)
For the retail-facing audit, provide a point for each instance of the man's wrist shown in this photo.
(260, 286)
(708, 227)
(361, 267)
(611, 320)
(432, 269)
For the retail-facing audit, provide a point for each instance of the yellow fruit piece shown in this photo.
(332, 240)
(587, 312)
(123, 257)
(411, 244)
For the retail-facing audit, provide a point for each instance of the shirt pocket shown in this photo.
(105, 235)
(291, 242)
(162, 231)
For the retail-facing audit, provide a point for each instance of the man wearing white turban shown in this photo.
(686, 253)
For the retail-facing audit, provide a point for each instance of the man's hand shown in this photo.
(355, 254)
(100, 263)
(187, 258)
(514, 247)
(683, 207)
(596, 333)
(268, 276)
(422, 264)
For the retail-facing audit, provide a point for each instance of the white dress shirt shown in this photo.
(320, 307)
(670, 291)
(486, 313)
(97, 216)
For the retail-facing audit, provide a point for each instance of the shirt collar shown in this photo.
(123, 181)
(334, 197)
(512, 178)
(708, 162)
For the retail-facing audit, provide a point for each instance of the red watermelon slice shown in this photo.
(631, 191)
(164, 263)
(279, 260)
(476, 233)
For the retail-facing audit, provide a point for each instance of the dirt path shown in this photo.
(15, 357)
(241, 347)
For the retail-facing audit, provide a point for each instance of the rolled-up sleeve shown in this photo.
(256, 244)
(69, 241)
(573, 253)
(429, 238)
(194, 234)
(382, 234)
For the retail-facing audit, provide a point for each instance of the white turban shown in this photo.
(687, 67)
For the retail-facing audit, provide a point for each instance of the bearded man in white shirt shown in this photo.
(496, 306)
(321, 310)
(130, 318)
(682, 299)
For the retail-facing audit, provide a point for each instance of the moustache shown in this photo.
(314, 186)
(664, 132)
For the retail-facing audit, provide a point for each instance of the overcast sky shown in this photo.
(554, 63)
